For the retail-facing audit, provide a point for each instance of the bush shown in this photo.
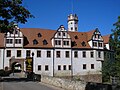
(5, 72)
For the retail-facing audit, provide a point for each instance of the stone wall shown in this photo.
(64, 83)
(96, 78)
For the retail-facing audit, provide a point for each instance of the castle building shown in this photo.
(58, 52)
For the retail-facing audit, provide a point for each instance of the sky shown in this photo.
(92, 14)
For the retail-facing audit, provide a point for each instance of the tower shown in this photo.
(73, 23)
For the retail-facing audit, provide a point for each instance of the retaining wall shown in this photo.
(64, 83)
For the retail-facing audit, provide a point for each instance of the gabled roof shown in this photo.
(81, 36)
(106, 39)
(90, 34)
(32, 33)
(79, 39)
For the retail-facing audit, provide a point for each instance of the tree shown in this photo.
(112, 68)
(12, 11)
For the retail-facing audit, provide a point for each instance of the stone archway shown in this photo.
(16, 67)
(17, 64)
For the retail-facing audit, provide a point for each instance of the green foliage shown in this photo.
(112, 68)
(5, 73)
(12, 11)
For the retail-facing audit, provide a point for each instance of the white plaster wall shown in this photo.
(62, 61)
(90, 43)
(107, 46)
(78, 64)
(43, 60)
(1, 58)
(13, 54)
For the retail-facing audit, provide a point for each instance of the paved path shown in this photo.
(26, 86)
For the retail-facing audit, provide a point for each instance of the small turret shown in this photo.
(73, 23)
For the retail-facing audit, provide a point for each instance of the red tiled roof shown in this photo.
(32, 33)
(106, 38)
(90, 34)
(81, 37)
(1, 39)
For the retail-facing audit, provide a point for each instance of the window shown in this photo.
(35, 42)
(83, 44)
(95, 44)
(48, 53)
(99, 54)
(92, 66)
(67, 54)
(28, 53)
(39, 67)
(95, 36)
(75, 28)
(66, 43)
(71, 28)
(39, 35)
(59, 67)
(84, 54)
(46, 67)
(63, 33)
(59, 34)
(92, 54)
(84, 66)
(69, 67)
(8, 53)
(100, 44)
(76, 37)
(18, 53)
(18, 41)
(75, 54)
(64, 67)
(9, 41)
(45, 42)
(38, 53)
(16, 32)
(98, 36)
(57, 42)
(58, 54)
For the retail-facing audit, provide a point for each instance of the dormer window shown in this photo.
(39, 35)
(35, 42)
(76, 37)
(45, 42)
(17, 41)
(9, 41)
(83, 44)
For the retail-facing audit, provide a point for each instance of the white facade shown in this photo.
(62, 59)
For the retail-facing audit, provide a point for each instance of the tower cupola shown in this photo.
(73, 23)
